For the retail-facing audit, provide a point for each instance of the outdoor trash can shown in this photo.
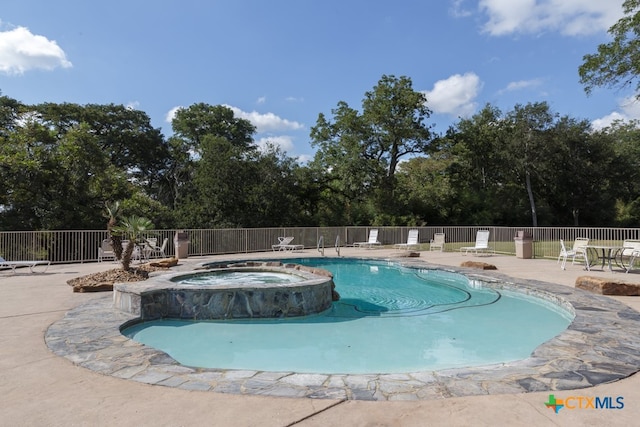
(524, 245)
(181, 243)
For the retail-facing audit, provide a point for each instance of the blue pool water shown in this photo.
(389, 320)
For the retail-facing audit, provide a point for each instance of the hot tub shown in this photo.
(268, 290)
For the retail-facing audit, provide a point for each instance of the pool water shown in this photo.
(389, 319)
(212, 278)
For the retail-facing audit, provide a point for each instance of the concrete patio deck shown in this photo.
(40, 388)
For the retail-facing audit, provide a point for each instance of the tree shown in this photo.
(125, 135)
(193, 123)
(526, 148)
(194, 128)
(580, 180)
(475, 146)
(361, 152)
(132, 229)
(617, 63)
(112, 211)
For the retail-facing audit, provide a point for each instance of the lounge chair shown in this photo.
(31, 264)
(437, 242)
(105, 251)
(284, 244)
(373, 240)
(482, 243)
(412, 241)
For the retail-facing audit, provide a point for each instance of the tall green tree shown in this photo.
(360, 152)
(124, 134)
(580, 184)
(200, 120)
(195, 127)
(476, 172)
(617, 63)
(527, 128)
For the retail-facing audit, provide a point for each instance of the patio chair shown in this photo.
(152, 249)
(412, 241)
(373, 240)
(437, 242)
(136, 254)
(482, 243)
(630, 253)
(577, 251)
(31, 264)
(105, 251)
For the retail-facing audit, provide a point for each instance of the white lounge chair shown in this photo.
(437, 242)
(31, 264)
(105, 251)
(412, 241)
(284, 244)
(373, 240)
(482, 243)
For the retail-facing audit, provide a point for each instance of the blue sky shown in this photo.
(279, 63)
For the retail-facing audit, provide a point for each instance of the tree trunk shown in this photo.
(534, 214)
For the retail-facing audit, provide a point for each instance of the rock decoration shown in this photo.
(478, 265)
(607, 286)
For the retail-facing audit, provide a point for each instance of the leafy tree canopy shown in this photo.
(617, 63)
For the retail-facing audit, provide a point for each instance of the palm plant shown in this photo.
(113, 211)
(131, 229)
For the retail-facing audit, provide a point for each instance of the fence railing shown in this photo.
(70, 246)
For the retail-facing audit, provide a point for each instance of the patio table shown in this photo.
(606, 253)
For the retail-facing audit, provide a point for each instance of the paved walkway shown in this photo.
(41, 388)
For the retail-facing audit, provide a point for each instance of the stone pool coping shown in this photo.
(599, 346)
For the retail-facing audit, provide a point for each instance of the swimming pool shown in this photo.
(389, 319)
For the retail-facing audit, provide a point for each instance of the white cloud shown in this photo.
(282, 141)
(21, 51)
(261, 100)
(521, 84)
(171, 114)
(458, 10)
(607, 120)
(455, 95)
(266, 122)
(630, 107)
(569, 17)
(304, 158)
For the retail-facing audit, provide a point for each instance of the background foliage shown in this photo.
(377, 165)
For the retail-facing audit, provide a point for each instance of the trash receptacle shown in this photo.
(181, 243)
(524, 245)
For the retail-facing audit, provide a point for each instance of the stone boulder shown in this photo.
(93, 287)
(479, 265)
(409, 254)
(607, 286)
(164, 263)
